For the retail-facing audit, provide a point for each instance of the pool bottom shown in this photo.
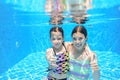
(33, 67)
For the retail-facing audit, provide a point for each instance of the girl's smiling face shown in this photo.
(56, 39)
(78, 40)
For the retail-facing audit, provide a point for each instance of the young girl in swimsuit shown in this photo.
(57, 56)
(81, 57)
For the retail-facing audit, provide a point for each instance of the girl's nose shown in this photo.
(77, 41)
(56, 40)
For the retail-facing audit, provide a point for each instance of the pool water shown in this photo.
(34, 66)
(24, 38)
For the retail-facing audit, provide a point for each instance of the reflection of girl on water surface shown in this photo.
(54, 6)
(70, 5)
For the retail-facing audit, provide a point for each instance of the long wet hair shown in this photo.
(80, 29)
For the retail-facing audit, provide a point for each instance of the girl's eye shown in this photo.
(59, 38)
(74, 38)
(80, 38)
(53, 38)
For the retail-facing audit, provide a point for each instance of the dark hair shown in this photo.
(80, 29)
(56, 29)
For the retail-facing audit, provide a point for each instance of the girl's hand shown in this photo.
(96, 75)
(53, 61)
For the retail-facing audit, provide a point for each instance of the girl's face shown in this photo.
(78, 40)
(56, 39)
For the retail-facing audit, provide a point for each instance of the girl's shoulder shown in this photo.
(69, 47)
(88, 51)
(91, 54)
(67, 43)
(49, 50)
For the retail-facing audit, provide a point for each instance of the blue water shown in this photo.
(24, 38)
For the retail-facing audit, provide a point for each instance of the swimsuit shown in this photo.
(62, 64)
(52, 78)
(79, 69)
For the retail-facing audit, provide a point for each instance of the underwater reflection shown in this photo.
(56, 19)
(76, 9)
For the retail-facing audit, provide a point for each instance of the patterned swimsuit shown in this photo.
(62, 64)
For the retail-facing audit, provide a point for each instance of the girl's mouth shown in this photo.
(78, 45)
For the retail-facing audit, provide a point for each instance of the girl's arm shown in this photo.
(67, 44)
(95, 67)
(50, 57)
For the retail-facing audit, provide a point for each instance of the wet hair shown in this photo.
(80, 29)
(57, 29)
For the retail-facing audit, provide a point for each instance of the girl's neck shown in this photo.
(58, 49)
(79, 51)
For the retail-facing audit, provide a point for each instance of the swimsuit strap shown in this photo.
(64, 46)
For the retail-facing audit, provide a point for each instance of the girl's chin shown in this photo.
(79, 47)
(56, 47)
